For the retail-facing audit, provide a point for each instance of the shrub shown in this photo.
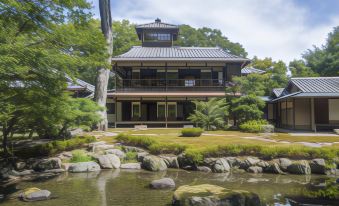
(191, 132)
(131, 157)
(54, 147)
(254, 126)
(80, 156)
(138, 141)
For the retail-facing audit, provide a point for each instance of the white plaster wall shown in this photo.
(333, 109)
(302, 112)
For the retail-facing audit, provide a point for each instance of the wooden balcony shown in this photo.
(171, 85)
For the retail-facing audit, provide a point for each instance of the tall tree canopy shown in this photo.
(262, 84)
(125, 37)
(325, 60)
(298, 68)
(40, 43)
(207, 37)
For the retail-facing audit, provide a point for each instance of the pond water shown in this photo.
(126, 187)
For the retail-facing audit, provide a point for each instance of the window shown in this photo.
(171, 110)
(135, 109)
(110, 108)
(157, 37)
(161, 111)
(189, 82)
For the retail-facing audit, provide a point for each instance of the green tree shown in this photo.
(207, 37)
(299, 69)
(251, 84)
(40, 43)
(210, 114)
(124, 36)
(263, 64)
(247, 108)
(325, 60)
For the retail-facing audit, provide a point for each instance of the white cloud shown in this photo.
(271, 28)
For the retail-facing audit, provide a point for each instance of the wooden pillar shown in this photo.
(166, 110)
(313, 126)
(116, 111)
(293, 113)
(166, 77)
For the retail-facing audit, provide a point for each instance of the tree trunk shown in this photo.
(103, 73)
(4, 139)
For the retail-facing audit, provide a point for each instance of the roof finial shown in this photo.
(157, 20)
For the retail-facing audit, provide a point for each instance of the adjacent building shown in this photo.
(156, 82)
(310, 103)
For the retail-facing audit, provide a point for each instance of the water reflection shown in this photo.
(130, 187)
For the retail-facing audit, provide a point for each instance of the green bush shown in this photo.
(54, 147)
(255, 126)
(151, 144)
(138, 141)
(80, 156)
(130, 157)
(191, 132)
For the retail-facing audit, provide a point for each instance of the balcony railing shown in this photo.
(170, 84)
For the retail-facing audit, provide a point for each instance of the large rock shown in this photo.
(186, 162)
(132, 166)
(35, 194)
(153, 163)
(233, 161)
(47, 164)
(204, 169)
(220, 166)
(133, 149)
(116, 152)
(102, 148)
(20, 166)
(162, 183)
(171, 161)
(268, 128)
(284, 163)
(109, 161)
(249, 162)
(5, 170)
(255, 169)
(212, 195)
(141, 155)
(336, 131)
(84, 167)
(318, 166)
(274, 168)
(299, 167)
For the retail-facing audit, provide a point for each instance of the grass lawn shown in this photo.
(216, 138)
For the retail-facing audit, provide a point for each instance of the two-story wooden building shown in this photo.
(157, 81)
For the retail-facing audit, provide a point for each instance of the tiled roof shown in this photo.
(278, 91)
(317, 84)
(177, 53)
(311, 87)
(251, 70)
(157, 24)
(79, 84)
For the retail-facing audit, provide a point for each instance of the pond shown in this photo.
(126, 187)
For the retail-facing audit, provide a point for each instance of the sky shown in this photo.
(281, 29)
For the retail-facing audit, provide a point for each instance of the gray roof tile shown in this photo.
(177, 53)
(317, 84)
(251, 70)
(157, 24)
(278, 91)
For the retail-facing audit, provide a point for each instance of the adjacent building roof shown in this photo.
(309, 87)
(177, 53)
(317, 84)
(278, 91)
(78, 84)
(157, 24)
(251, 70)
